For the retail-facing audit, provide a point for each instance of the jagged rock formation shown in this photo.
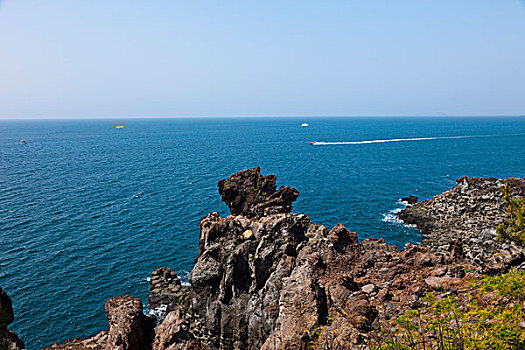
(129, 329)
(253, 195)
(468, 214)
(268, 279)
(8, 339)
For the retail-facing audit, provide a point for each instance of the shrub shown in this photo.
(488, 315)
(514, 227)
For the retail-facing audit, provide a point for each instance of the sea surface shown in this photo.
(87, 211)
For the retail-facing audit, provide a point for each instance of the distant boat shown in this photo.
(312, 143)
(305, 124)
(23, 142)
(119, 126)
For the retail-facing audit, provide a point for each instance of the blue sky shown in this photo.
(65, 58)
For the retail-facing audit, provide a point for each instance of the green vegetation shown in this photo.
(490, 314)
(323, 334)
(514, 227)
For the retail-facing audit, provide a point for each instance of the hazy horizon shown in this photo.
(305, 117)
(304, 59)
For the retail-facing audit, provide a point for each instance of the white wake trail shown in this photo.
(316, 143)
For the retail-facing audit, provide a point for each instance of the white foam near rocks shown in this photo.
(159, 312)
(391, 216)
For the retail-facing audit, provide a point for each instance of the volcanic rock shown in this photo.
(253, 195)
(8, 339)
(410, 199)
(462, 221)
(167, 292)
(6, 310)
(129, 328)
(173, 334)
(269, 279)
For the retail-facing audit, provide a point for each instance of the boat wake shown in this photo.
(317, 143)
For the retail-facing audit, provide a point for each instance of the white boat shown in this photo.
(305, 124)
(119, 126)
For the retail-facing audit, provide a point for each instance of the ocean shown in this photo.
(87, 211)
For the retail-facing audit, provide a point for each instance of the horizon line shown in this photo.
(269, 116)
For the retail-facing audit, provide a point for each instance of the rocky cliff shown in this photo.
(269, 279)
(8, 339)
(468, 214)
(266, 278)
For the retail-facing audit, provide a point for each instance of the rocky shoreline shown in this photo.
(266, 278)
(467, 215)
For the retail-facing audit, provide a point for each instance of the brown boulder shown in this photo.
(410, 199)
(129, 328)
(7, 338)
(6, 310)
(253, 195)
(173, 334)
(341, 237)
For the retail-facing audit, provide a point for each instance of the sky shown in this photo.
(99, 58)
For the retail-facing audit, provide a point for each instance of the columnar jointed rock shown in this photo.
(251, 194)
(8, 339)
(167, 290)
(468, 215)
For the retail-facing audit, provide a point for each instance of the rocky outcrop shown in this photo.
(467, 216)
(253, 195)
(269, 279)
(266, 278)
(7, 315)
(410, 199)
(167, 292)
(8, 339)
(129, 329)
(174, 334)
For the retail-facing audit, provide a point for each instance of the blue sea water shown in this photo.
(87, 211)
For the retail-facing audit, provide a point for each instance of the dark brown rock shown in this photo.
(410, 199)
(8, 339)
(174, 334)
(291, 278)
(250, 194)
(129, 328)
(6, 310)
(167, 292)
